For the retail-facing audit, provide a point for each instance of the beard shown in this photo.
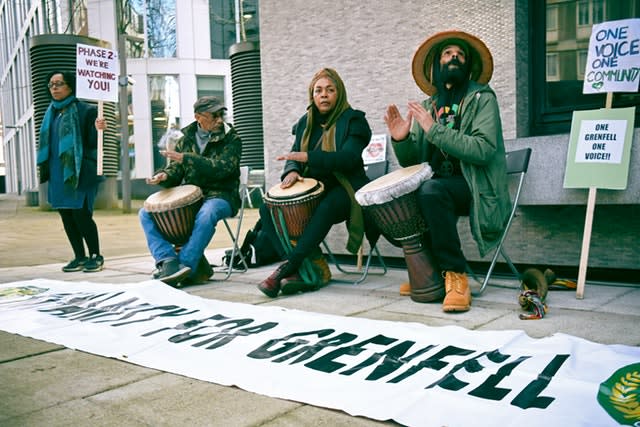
(456, 75)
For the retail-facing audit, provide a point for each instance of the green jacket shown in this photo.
(480, 147)
(216, 170)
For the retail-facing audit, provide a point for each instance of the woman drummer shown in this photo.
(329, 139)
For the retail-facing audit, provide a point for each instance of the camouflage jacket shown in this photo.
(216, 170)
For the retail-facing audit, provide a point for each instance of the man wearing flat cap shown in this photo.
(458, 132)
(207, 156)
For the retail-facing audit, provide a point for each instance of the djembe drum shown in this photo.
(391, 202)
(174, 211)
(292, 207)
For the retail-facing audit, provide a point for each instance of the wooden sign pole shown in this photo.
(100, 138)
(588, 222)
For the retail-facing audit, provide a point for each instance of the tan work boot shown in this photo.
(458, 294)
(405, 289)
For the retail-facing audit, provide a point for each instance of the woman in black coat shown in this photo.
(328, 146)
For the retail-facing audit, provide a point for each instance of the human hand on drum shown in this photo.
(398, 126)
(291, 178)
(421, 115)
(157, 178)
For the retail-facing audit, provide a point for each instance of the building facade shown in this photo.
(538, 47)
(175, 52)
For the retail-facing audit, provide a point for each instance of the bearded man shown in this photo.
(457, 130)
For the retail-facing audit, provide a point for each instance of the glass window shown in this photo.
(559, 60)
(164, 94)
(211, 85)
(582, 63)
(224, 28)
(583, 13)
(161, 25)
(552, 18)
(552, 67)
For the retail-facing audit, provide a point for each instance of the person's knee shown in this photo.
(336, 204)
(430, 189)
(214, 211)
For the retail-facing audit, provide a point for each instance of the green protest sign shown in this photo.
(599, 148)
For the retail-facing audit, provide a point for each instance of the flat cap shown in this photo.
(210, 104)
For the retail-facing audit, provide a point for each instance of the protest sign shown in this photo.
(96, 73)
(96, 78)
(600, 148)
(376, 151)
(613, 61)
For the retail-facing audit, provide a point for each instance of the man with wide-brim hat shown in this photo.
(458, 132)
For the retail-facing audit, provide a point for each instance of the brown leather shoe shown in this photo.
(271, 285)
(458, 293)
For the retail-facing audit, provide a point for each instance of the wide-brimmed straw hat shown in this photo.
(423, 59)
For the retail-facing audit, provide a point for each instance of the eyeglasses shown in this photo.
(212, 116)
(56, 84)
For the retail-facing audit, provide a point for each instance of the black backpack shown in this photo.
(258, 248)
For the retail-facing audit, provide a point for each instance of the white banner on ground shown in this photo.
(408, 372)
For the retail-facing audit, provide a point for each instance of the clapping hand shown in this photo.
(397, 125)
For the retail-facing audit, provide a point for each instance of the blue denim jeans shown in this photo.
(212, 211)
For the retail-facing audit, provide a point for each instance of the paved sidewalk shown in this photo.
(45, 384)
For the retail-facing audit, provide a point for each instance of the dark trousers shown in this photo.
(80, 228)
(441, 202)
(334, 208)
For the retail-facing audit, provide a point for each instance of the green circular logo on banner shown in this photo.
(620, 395)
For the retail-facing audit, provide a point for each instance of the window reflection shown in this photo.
(165, 113)
(568, 29)
(160, 16)
(222, 18)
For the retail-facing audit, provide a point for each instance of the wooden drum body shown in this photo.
(391, 203)
(174, 211)
(292, 207)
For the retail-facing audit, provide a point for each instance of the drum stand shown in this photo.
(307, 272)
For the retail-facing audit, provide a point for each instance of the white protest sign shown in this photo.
(613, 61)
(601, 141)
(376, 151)
(96, 73)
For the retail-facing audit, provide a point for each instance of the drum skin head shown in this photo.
(300, 188)
(393, 178)
(173, 197)
(393, 185)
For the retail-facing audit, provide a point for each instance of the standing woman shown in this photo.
(328, 146)
(67, 158)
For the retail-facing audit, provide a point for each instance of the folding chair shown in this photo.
(517, 165)
(255, 182)
(244, 179)
(373, 170)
